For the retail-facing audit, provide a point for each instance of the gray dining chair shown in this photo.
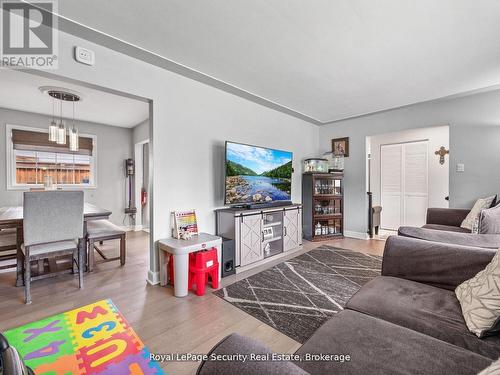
(53, 227)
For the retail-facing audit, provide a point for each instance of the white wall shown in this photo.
(140, 132)
(190, 123)
(474, 138)
(113, 146)
(436, 136)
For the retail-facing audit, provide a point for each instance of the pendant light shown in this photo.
(73, 134)
(53, 125)
(58, 132)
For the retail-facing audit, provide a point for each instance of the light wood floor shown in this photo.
(165, 323)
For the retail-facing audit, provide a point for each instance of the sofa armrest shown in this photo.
(446, 216)
(439, 264)
(240, 345)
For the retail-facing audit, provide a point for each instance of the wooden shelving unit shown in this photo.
(323, 204)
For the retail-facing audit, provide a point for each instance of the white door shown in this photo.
(404, 184)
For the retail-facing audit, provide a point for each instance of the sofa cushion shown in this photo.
(481, 204)
(234, 345)
(493, 369)
(379, 347)
(447, 228)
(489, 220)
(489, 241)
(423, 308)
(479, 298)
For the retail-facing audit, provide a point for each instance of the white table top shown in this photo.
(196, 243)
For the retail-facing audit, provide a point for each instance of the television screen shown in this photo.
(257, 175)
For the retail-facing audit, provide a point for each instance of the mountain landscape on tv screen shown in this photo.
(244, 185)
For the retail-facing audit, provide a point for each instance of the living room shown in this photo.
(339, 70)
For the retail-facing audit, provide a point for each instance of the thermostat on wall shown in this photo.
(84, 56)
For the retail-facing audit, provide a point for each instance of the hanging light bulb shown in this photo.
(73, 134)
(61, 131)
(53, 125)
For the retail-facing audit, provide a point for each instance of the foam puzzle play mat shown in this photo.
(93, 339)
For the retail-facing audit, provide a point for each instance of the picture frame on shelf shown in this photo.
(340, 146)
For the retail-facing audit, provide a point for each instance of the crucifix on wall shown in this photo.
(442, 152)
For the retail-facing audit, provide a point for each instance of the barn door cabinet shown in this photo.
(260, 234)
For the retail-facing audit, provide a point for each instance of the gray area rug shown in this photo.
(297, 296)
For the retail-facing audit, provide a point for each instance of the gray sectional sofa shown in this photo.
(448, 219)
(406, 321)
(443, 225)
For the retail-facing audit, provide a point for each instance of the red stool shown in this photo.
(170, 270)
(202, 266)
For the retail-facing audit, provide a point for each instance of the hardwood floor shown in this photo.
(165, 323)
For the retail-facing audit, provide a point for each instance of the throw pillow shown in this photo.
(493, 369)
(481, 204)
(489, 220)
(479, 299)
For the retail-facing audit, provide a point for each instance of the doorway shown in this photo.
(406, 176)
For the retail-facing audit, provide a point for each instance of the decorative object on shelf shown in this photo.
(315, 165)
(185, 224)
(335, 162)
(322, 199)
(340, 146)
(442, 152)
(58, 132)
(48, 182)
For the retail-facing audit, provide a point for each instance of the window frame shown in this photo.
(11, 161)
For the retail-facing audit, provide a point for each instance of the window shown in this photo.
(32, 159)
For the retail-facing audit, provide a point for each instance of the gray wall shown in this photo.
(114, 144)
(190, 123)
(140, 132)
(474, 140)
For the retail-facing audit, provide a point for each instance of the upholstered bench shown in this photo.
(100, 231)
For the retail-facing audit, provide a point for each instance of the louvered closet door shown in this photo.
(404, 184)
(391, 191)
(415, 185)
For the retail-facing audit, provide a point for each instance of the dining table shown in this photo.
(12, 217)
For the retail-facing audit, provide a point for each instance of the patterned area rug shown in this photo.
(297, 296)
(93, 339)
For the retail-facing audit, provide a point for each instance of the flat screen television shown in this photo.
(257, 175)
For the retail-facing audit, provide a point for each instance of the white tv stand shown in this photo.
(260, 233)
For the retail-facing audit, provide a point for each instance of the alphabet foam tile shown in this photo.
(93, 339)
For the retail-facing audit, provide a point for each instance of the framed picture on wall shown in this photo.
(340, 146)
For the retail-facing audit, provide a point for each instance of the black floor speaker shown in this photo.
(228, 260)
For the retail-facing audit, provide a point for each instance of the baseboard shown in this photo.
(358, 235)
(153, 277)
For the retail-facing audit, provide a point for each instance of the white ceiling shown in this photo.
(20, 91)
(327, 59)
